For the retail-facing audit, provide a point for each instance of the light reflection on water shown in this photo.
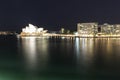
(29, 48)
(84, 52)
(98, 54)
(37, 51)
(85, 55)
(34, 52)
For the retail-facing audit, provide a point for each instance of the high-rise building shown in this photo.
(87, 29)
(107, 28)
(95, 30)
(117, 29)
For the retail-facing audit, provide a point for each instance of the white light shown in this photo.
(33, 30)
(76, 33)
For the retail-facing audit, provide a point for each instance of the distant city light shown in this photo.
(91, 30)
(83, 30)
(76, 33)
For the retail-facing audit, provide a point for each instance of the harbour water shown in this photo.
(33, 58)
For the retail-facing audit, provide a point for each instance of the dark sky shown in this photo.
(54, 14)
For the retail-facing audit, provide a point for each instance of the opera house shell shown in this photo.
(32, 30)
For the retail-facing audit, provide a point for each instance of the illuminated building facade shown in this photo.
(95, 30)
(107, 29)
(117, 29)
(87, 29)
(32, 30)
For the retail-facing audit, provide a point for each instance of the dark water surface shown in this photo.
(33, 58)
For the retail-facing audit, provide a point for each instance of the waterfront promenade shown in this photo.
(73, 36)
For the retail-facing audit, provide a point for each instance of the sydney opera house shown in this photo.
(32, 30)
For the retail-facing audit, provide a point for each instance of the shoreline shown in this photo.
(70, 36)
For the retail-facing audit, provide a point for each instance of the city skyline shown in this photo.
(83, 30)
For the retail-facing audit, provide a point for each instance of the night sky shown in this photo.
(54, 14)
